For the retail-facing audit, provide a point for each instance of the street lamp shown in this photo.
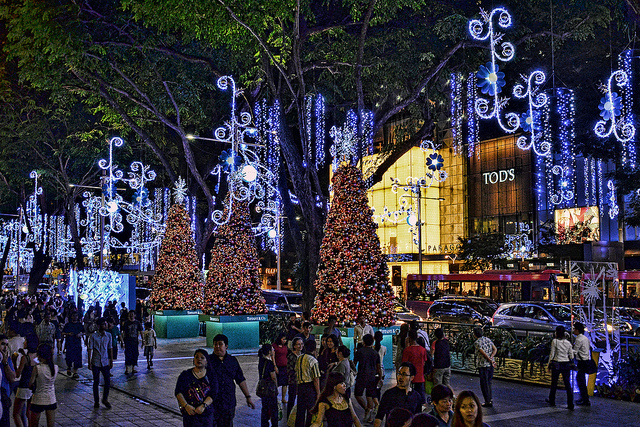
(417, 190)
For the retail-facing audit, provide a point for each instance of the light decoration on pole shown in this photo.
(613, 204)
(97, 287)
(473, 138)
(629, 155)
(248, 179)
(457, 112)
(530, 120)
(490, 78)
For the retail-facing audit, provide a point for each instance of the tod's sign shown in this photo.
(499, 176)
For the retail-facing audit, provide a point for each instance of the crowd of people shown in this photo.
(36, 327)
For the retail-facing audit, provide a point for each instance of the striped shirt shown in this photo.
(307, 369)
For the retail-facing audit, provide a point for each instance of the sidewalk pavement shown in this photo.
(146, 398)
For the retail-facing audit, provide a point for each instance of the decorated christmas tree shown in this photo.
(233, 285)
(177, 284)
(353, 277)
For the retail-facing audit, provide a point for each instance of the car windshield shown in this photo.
(295, 301)
(483, 308)
(560, 312)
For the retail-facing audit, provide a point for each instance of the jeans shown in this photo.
(486, 375)
(563, 368)
(441, 376)
(582, 380)
(306, 399)
(105, 370)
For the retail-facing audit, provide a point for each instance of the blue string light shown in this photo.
(455, 84)
(473, 139)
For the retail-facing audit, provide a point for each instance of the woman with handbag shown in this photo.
(333, 406)
(281, 350)
(195, 391)
(582, 351)
(560, 362)
(267, 388)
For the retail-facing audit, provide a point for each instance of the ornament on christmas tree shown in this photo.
(233, 284)
(353, 277)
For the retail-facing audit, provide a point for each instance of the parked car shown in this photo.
(632, 317)
(403, 314)
(282, 301)
(620, 322)
(532, 316)
(470, 310)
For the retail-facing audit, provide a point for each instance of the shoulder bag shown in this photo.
(266, 387)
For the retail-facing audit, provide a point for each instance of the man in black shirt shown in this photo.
(400, 396)
(227, 370)
(367, 360)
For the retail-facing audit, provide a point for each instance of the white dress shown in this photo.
(45, 393)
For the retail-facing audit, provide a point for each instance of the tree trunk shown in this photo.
(41, 263)
(75, 237)
(5, 255)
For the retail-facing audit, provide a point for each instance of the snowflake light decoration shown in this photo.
(535, 101)
(248, 178)
(610, 105)
(180, 190)
(564, 193)
(489, 78)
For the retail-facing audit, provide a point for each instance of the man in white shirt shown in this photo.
(360, 330)
(582, 352)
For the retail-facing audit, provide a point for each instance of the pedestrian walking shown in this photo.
(344, 367)
(228, 372)
(334, 406)
(131, 330)
(100, 361)
(400, 396)
(485, 353)
(308, 374)
(468, 412)
(26, 361)
(328, 359)
(417, 355)
(8, 377)
(560, 361)
(582, 351)
(306, 334)
(401, 343)
(442, 401)
(114, 330)
(267, 372)
(367, 361)
(281, 350)
(292, 358)
(331, 329)
(441, 358)
(73, 332)
(43, 377)
(46, 330)
(149, 343)
(196, 390)
(382, 352)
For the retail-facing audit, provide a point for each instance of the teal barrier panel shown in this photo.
(176, 323)
(243, 331)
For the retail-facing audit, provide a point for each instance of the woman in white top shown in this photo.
(560, 361)
(44, 377)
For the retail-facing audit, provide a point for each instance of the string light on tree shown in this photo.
(233, 285)
(177, 284)
(352, 277)
(629, 155)
(457, 112)
(473, 139)
(490, 78)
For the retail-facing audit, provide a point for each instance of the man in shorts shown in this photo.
(367, 361)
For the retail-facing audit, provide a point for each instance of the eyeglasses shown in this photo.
(404, 375)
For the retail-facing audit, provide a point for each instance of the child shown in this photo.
(149, 343)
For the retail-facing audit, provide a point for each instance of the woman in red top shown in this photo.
(280, 349)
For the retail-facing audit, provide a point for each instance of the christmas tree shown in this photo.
(352, 275)
(177, 284)
(233, 285)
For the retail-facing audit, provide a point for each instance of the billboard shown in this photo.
(577, 225)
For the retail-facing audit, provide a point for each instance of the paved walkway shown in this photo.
(146, 399)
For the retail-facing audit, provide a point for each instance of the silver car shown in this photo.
(532, 316)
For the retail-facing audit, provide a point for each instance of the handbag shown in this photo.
(591, 367)
(266, 387)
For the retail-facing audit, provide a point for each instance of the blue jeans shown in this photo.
(105, 370)
(563, 368)
(486, 375)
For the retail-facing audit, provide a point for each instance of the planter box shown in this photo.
(176, 323)
(243, 331)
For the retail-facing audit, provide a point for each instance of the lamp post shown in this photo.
(417, 190)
